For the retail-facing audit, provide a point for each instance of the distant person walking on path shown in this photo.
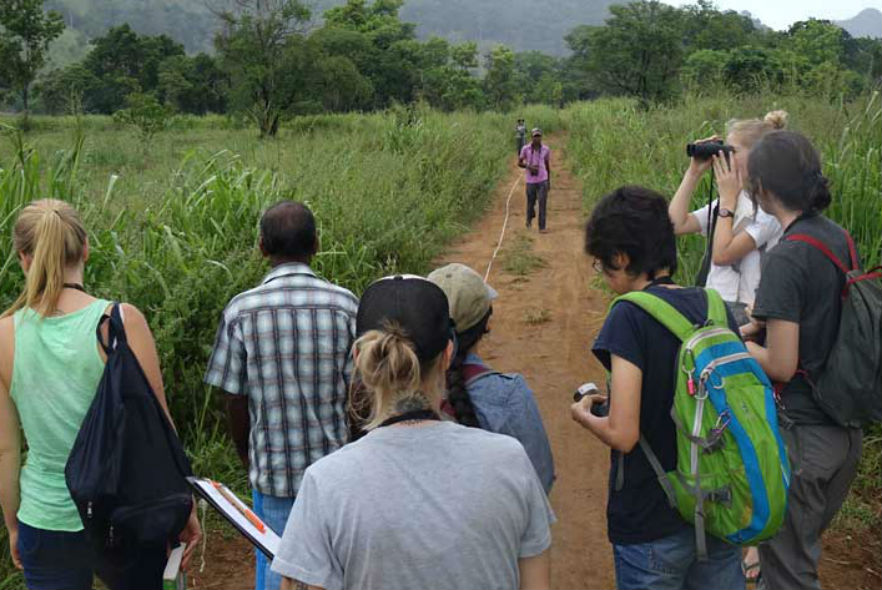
(479, 396)
(282, 356)
(536, 158)
(520, 135)
(50, 367)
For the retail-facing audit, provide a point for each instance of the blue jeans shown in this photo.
(671, 563)
(274, 512)
(61, 560)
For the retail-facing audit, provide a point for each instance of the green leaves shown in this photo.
(25, 34)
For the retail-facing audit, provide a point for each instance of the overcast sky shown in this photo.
(780, 14)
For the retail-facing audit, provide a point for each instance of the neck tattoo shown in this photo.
(412, 403)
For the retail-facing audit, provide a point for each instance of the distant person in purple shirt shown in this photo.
(536, 158)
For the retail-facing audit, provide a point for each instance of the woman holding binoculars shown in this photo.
(740, 232)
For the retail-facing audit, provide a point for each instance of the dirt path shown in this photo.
(542, 326)
(543, 323)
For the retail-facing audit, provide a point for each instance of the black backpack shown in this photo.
(126, 471)
(849, 386)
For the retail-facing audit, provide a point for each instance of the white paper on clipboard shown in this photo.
(267, 541)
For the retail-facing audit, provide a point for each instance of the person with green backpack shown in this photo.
(698, 468)
(823, 320)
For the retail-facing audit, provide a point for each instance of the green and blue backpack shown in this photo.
(732, 470)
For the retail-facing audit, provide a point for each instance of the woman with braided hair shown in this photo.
(477, 395)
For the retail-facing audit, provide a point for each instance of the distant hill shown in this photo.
(868, 23)
(521, 24)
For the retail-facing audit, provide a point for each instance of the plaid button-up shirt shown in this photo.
(286, 345)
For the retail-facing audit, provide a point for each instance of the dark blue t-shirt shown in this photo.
(639, 512)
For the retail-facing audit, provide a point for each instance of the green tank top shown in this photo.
(55, 373)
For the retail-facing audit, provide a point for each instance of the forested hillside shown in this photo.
(521, 24)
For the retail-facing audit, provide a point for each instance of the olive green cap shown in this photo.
(467, 293)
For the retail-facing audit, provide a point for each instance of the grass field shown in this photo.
(173, 223)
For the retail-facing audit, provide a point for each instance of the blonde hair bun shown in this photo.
(777, 119)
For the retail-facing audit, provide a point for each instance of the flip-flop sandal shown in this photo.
(751, 571)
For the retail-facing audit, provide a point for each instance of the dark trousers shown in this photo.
(61, 560)
(519, 142)
(824, 462)
(537, 192)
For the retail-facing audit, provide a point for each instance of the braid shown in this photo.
(457, 394)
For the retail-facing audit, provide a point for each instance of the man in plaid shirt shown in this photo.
(282, 355)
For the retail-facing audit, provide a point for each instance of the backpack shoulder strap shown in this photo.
(716, 308)
(822, 247)
(471, 372)
(662, 311)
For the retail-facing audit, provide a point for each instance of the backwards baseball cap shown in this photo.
(416, 305)
(467, 293)
(536, 131)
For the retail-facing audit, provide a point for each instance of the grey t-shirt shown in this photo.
(431, 506)
(799, 284)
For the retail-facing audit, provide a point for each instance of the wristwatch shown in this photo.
(726, 213)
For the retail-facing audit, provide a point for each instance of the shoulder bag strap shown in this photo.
(472, 372)
(716, 308)
(819, 245)
(663, 312)
(116, 331)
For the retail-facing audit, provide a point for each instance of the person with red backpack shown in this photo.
(477, 395)
(801, 300)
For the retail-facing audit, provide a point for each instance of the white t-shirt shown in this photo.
(437, 506)
(739, 281)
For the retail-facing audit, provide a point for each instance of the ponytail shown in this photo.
(750, 131)
(457, 393)
(51, 234)
(387, 365)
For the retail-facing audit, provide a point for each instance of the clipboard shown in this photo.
(266, 540)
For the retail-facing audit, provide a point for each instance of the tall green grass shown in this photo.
(613, 142)
(173, 227)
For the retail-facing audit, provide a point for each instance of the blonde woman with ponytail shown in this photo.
(50, 366)
(742, 231)
(418, 502)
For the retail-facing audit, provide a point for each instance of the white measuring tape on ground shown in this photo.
(504, 225)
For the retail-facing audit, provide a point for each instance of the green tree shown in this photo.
(125, 63)
(381, 45)
(465, 55)
(192, 84)
(706, 28)
(25, 34)
(67, 91)
(261, 50)
(704, 68)
(578, 67)
(146, 114)
(818, 41)
(500, 82)
(639, 52)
